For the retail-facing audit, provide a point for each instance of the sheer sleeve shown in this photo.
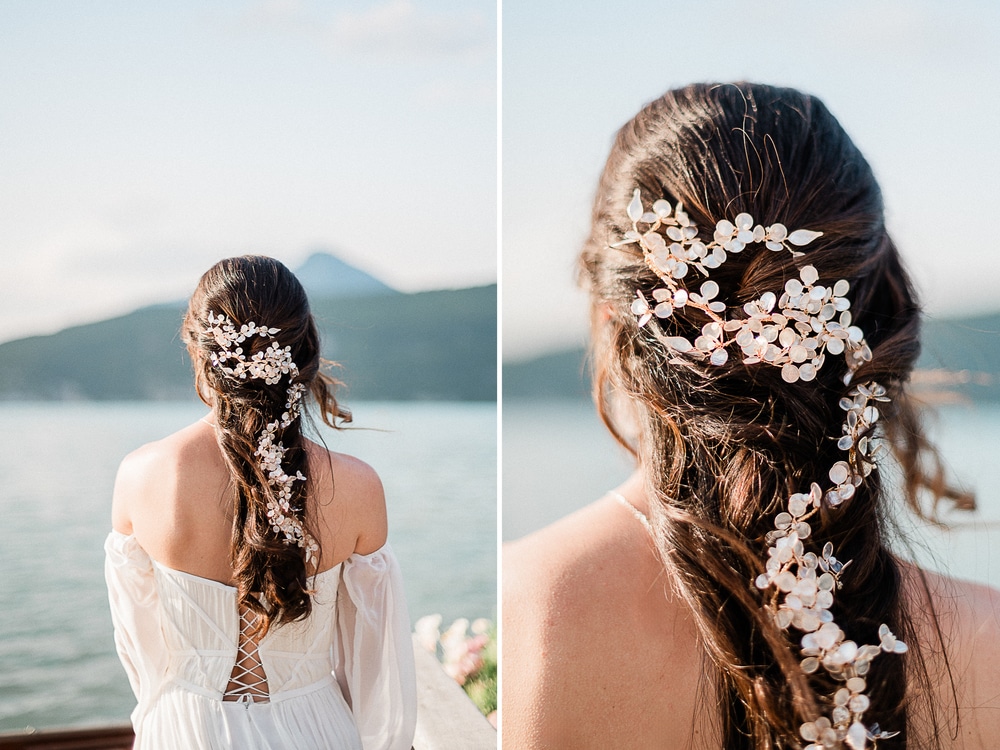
(375, 650)
(128, 572)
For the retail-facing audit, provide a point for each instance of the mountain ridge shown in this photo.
(435, 345)
(324, 274)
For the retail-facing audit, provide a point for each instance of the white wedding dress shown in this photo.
(342, 678)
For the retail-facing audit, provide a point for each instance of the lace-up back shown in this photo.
(248, 679)
(340, 678)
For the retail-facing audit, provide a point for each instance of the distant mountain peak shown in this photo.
(325, 275)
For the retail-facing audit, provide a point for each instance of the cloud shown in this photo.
(399, 29)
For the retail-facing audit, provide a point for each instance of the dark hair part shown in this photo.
(271, 576)
(722, 448)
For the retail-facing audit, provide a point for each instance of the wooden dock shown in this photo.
(115, 737)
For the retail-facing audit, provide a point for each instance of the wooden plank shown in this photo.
(114, 737)
(446, 718)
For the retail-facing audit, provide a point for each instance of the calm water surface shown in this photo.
(558, 457)
(58, 461)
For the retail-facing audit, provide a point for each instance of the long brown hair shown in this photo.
(722, 448)
(270, 575)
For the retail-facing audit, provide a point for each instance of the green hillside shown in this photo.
(966, 348)
(556, 375)
(429, 345)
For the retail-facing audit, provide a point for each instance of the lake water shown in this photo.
(558, 457)
(58, 462)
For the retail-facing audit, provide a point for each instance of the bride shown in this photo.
(254, 599)
(753, 332)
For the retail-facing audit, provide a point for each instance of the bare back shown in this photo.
(599, 653)
(175, 497)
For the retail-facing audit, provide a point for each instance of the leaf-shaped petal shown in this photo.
(801, 237)
(635, 206)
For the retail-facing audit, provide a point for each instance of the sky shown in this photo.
(142, 142)
(913, 82)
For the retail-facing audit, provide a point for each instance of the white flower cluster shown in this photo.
(804, 583)
(811, 318)
(794, 332)
(268, 365)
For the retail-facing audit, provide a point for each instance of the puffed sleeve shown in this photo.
(128, 572)
(375, 650)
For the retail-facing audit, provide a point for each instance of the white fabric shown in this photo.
(342, 678)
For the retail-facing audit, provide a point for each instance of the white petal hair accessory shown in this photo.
(794, 331)
(268, 365)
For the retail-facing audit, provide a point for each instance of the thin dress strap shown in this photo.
(639, 515)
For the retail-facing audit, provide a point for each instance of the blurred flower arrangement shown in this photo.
(468, 654)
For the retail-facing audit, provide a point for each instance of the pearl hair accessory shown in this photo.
(268, 365)
(811, 320)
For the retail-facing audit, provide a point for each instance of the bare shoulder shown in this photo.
(596, 551)
(564, 583)
(351, 493)
(571, 593)
(149, 476)
(968, 615)
(968, 612)
(141, 470)
(132, 476)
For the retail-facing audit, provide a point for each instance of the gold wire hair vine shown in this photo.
(793, 330)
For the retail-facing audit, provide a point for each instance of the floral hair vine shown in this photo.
(268, 365)
(811, 320)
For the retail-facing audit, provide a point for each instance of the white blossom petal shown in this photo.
(801, 237)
